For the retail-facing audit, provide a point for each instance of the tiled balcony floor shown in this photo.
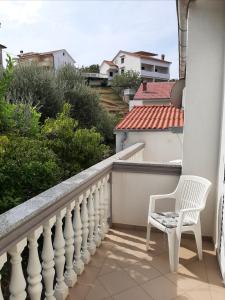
(121, 269)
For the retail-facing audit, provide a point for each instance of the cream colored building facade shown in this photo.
(202, 56)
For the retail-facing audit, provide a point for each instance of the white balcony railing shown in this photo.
(155, 74)
(95, 75)
(65, 224)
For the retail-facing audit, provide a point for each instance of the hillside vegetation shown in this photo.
(111, 101)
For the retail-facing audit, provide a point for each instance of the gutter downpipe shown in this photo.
(182, 14)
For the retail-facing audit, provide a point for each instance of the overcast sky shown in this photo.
(91, 30)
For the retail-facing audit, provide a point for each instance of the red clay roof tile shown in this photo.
(152, 117)
(155, 90)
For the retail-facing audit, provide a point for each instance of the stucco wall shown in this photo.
(130, 62)
(159, 146)
(104, 68)
(203, 96)
(133, 103)
(61, 60)
(130, 204)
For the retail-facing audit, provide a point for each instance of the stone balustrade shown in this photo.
(60, 230)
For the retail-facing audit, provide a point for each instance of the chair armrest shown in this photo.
(186, 210)
(182, 214)
(153, 198)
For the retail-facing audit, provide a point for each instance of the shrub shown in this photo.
(129, 79)
(85, 104)
(37, 86)
(76, 149)
(27, 167)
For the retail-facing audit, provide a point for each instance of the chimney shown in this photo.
(144, 85)
(21, 51)
(162, 56)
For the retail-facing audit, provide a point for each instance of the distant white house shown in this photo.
(1, 60)
(152, 93)
(150, 67)
(51, 60)
(160, 127)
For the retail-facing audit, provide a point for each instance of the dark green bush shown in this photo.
(27, 167)
(129, 79)
(35, 85)
(76, 149)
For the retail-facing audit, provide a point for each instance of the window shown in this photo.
(142, 67)
(111, 74)
(156, 70)
(63, 53)
(122, 60)
(122, 70)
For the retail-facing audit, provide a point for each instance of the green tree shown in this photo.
(129, 79)
(36, 85)
(76, 148)
(91, 69)
(27, 167)
(85, 104)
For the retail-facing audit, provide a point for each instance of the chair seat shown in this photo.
(170, 219)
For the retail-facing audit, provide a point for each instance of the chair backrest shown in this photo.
(192, 192)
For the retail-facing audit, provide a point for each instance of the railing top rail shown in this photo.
(27, 216)
(167, 168)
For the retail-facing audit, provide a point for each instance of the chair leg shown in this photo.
(171, 238)
(198, 238)
(148, 236)
(177, 238)
(174, 245)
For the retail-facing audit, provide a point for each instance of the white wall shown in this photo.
(104, 68)
(160, 146)
(61, 60)
(130, 62)
(130, 204)
(203, 96)
(133, 103)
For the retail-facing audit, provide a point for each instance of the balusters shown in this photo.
(91, 243)
(84, 218)
(70, 275)
(34, 266)
(106, 203)
(17, 283)
(71, 249)
(3, 259)
(48, 271)
(77, 225)
(61, 289)
(97, 237)
(101, 209)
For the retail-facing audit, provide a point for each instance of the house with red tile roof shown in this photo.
(147, 64)
(160, 127)
(152, 93)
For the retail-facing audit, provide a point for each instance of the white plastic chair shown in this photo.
(190, 198)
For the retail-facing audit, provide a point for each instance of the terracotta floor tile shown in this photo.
(123, 269)
(97, 292)
(109, 265)
(135, 293)
(214, 276)
(184, 282)
(161, 288)
(141, 272)
(89, 275)
(182, 297)
(161, 263)
(116, 282)
(217, 293)
(79, 291)
(199, 293)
